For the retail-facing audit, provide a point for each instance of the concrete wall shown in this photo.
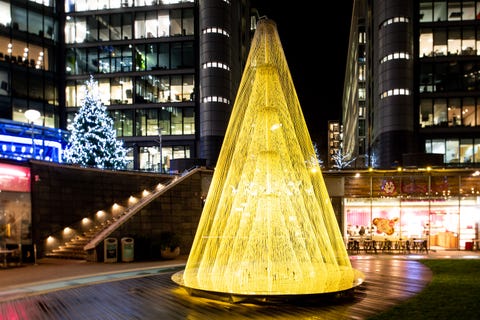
(178, 210)
(63, 195)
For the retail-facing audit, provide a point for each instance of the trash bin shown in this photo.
(127, 249)
(110, 250)
(469, 245)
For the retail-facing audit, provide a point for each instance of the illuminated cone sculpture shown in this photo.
(268, 227)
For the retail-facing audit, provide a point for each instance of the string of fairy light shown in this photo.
(268, 226)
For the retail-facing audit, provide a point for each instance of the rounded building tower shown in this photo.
(215, 90)
(393, 113)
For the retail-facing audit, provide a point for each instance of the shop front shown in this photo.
(15, 206)
(439, 206)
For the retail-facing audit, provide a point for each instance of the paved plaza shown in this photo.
(74, 289)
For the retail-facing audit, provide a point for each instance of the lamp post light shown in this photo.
(32, 115)
(160, 146)
(151, 157)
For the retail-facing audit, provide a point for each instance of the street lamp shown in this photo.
(160, 146)
(32, 115)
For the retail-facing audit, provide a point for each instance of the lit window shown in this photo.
(395, 92)
(215, 65)
(395, 56)
(395, 20)
(215, 99)
(215, 30)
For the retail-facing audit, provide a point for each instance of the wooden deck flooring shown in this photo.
(388, 282)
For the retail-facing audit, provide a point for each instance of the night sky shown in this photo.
(315, 43)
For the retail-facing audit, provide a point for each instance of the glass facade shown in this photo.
(28, 42)
(449, 106)
(414, 83)
(144, 60)
(148, 57)
(438, 207)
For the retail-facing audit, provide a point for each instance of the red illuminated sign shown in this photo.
(14, 178)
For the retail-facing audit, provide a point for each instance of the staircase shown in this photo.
(78, 246)
(73, 249)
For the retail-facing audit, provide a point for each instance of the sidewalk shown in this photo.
(51, 273)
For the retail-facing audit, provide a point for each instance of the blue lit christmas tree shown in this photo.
(93, 141)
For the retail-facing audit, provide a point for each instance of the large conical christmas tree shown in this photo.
(268, 227)
(93, 142)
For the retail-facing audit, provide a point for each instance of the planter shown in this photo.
(170, 254)
(169, 245)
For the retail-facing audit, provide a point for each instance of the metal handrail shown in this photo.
(133, 209)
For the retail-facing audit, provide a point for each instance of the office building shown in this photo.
(411, 113)
(167, 72)
(411, 87)
(29, 73)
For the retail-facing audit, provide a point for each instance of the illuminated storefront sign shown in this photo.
(20, 141)
(14, 178)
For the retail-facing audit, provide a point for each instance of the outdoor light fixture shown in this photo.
(32, 115)
(160, 148)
